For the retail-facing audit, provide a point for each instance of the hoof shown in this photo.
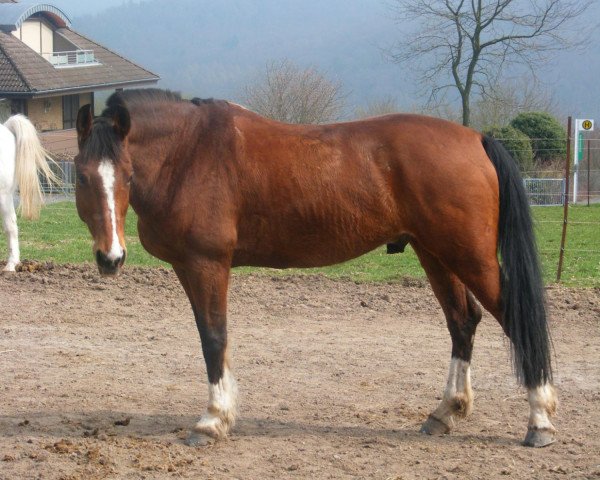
(539, 437)
(197, 439)
(433, 426)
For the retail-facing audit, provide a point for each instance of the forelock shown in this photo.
(102, 141)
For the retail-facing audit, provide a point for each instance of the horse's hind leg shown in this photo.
(542, 398)
(481, 274)
(462, 317)
(9, 225)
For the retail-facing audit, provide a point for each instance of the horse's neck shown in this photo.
(147, 151)
(164, 149)
(152, 141)
(146, 161)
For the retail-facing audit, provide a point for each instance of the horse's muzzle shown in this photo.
(107, 266)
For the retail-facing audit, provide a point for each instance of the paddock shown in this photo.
(102, 378)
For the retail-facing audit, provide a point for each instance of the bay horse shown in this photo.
(21, 158)
(216, 186)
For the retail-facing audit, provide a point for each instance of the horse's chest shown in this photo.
(157, 241)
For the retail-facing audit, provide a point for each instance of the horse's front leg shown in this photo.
(206, 286)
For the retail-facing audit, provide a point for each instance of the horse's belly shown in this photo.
(306, 248)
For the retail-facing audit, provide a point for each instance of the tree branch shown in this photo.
(472, 42)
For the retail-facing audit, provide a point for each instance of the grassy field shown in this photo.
(60, 236)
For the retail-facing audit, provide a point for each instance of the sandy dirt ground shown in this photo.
(101, 378)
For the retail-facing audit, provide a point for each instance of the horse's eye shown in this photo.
(82, 179)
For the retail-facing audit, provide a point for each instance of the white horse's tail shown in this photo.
(30, 157)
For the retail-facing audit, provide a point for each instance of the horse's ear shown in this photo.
(121, 121)
(84, 123)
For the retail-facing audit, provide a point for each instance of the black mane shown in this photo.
(148, 96)
(140, 96)
(105, 142)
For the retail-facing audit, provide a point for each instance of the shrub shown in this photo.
(517, 144)
(548, 137)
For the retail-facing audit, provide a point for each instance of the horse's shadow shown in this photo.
(101, 424)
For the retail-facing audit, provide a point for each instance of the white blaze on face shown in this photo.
(107, 173)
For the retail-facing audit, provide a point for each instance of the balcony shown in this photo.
(76, 58)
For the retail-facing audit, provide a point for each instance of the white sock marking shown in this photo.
(107, 172)
(221, 395)
(459, 377)
(458, 387)
(222, 407)
(542, 404)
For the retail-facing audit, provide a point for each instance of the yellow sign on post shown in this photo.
(587, 125)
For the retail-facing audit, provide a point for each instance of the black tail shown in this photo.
(522, 288)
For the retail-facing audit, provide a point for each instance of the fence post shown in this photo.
(566, 203)
(588, 171)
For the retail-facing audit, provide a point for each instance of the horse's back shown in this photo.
(390, 142)
(391, 156)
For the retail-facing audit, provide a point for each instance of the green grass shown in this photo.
(581, 264)
(60, 236)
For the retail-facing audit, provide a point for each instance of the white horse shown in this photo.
(21, 157)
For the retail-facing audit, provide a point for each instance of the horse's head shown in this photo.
(103, 169)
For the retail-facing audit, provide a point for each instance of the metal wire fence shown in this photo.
(545, 186)
(60, 230)
(65, 171)
(584, 178)
(545, 191)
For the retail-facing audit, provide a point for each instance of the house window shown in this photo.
(70, 109)
(18, 106)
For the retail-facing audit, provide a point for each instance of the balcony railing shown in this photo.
(76, 58)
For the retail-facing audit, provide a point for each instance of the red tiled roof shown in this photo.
(25, 72)
(11, 79)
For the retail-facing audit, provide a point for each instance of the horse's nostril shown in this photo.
(106, 264)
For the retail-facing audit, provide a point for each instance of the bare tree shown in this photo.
(465, 44)
(381, 106)
(505, 101)
(290, 94)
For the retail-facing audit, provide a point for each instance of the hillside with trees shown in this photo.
(217, 49)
